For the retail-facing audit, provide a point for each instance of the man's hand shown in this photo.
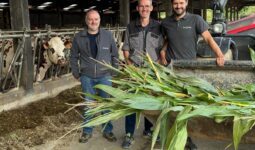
(163, 61)
(162, 58)
(209, 39)
(220, 61)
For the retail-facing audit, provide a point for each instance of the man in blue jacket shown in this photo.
(93, 43)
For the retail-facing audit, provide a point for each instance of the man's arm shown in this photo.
(214, 46)
(126, 47)
(74, 57)
(163, 60)
(126, 56)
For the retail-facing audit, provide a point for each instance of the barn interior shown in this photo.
(70, 13)
(25, 21)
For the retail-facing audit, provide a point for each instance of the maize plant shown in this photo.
(158, 88)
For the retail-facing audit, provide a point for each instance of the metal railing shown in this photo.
(12, 78)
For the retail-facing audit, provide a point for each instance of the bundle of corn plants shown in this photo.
(158, 88)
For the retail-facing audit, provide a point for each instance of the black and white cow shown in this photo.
(53, 52)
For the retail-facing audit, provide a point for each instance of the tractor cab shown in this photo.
(233, 46)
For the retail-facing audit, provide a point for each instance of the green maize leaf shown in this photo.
(115, 92)
(175, 94)
(177, 135)
(252, 52)
(156, 87)
(153, 88)
(143, 103)
(172, 101)
(219, 119)
(249, 88)
(134, 73)
(165, 69)
(95, 97)
(234, 98)
(200, 83)
(138, 118)
(206, 97)
(157, 127)
(122, 84)
(153, 67)
(165, 127)
(189, 100)
(165, 88)
(109, 66)
(165, 124)
(228, 102)
(193, 91)
(104, 118)
(246, 111)
(155, 133)
(209, 111)
(99, 108)
(241, 127)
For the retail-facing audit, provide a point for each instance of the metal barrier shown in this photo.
(11, 79)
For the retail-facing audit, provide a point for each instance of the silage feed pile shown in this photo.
(157, 88)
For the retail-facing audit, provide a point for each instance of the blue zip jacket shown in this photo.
(81, 60)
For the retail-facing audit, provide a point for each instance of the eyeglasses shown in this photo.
(144, 6)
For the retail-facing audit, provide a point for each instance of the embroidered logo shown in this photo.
(105, 48)
(187, 27)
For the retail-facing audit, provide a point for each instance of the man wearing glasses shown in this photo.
(142, 36)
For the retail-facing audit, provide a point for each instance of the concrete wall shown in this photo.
(17, 97)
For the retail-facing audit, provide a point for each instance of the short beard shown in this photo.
(175, 14)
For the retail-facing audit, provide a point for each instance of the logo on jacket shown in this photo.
(187, 27)
(105, 48)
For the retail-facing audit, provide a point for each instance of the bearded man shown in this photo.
(181, 31)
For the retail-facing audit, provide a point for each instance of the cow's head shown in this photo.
(55, 50)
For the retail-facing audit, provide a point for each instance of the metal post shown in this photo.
(205, 10)
(124, 12)
(227, 13)
(1, 62)
(20, 21)
(231, 13)
(167, 7)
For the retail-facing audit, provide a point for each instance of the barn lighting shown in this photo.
(41, 7)
(105, 10)
(69, 7)
(66, 8)
(92, 7)
(73, 5)
(85, 10)
(47, 3)
(109, 12)
(3, 3)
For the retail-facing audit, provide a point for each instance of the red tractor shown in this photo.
(234, 46)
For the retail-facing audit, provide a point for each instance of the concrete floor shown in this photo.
(97, 142)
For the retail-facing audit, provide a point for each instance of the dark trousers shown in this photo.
(130, 122)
